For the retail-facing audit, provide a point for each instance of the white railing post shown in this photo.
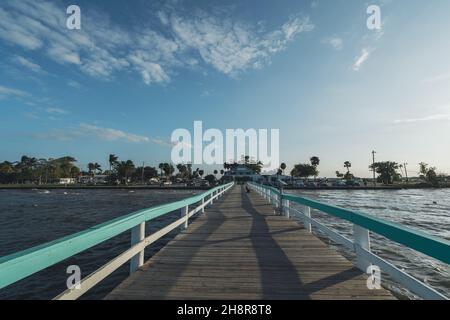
(203, 205)
(307, 223)
(362, 242)
(184, 214)
(137, 235)
(287, 209)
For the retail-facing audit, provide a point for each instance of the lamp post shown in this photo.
(406, 171)
(373, 168)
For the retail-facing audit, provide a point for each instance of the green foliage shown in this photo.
(33, 170)
(304, 170)
(315, 161)
(211, 179)
(429, 173)
(254, 166)
(387, 171)
(149, 173)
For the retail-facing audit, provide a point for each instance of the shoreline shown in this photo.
(180, 187)
(80, 187)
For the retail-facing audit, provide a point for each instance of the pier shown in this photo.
(242, 249)
(238, 245)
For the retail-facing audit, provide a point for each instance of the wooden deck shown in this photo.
(240, 249)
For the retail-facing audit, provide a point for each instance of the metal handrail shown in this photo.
(432, 246)
(22, 264)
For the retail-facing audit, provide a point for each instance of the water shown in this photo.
(32, 217)
(427, 210)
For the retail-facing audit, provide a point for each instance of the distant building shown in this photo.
(66, 181)
(100, 179)
(241, 173)
(96, 179)
(85, 179)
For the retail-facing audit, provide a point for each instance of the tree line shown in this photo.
(44, 171)
(387, 172)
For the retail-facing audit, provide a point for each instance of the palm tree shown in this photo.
(314, 161)
(168, 169)
(125, 169)
(91, 168)
(161, 167)
(97, 168)
(348, 165)
(401, 169)
(189, 170)
(283, 167)
(112, 161)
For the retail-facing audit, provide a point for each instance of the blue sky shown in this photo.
(137, 70)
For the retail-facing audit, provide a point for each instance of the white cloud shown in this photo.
(361, 59)
(74, 84)
(232, 47)
(150, 71)
(5, 91)
(110, 134)
(335, 42)
(54, 110)
(27, 64)
(433, 117)
(438, 78)
(85, 130)
(101, 49)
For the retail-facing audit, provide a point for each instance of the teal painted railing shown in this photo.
(22, 264)
(429, 245)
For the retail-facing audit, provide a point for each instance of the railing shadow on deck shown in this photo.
(363, 224)
(213, 221)
(290, 275)
(304, 290)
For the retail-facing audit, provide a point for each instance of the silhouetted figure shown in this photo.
(247, 189)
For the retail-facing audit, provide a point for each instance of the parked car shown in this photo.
(153, 181)
(299, 184)
(353, 183)
(204, 183)
(311, 184)
(339, 183)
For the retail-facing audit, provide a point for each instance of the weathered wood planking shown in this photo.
(240, 249)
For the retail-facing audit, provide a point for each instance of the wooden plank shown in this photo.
(241, 249)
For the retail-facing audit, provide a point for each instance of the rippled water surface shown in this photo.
(32, 217)
(427, 210)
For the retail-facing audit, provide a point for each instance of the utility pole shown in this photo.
(406, 171)
(142, 176)
(373, 168)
